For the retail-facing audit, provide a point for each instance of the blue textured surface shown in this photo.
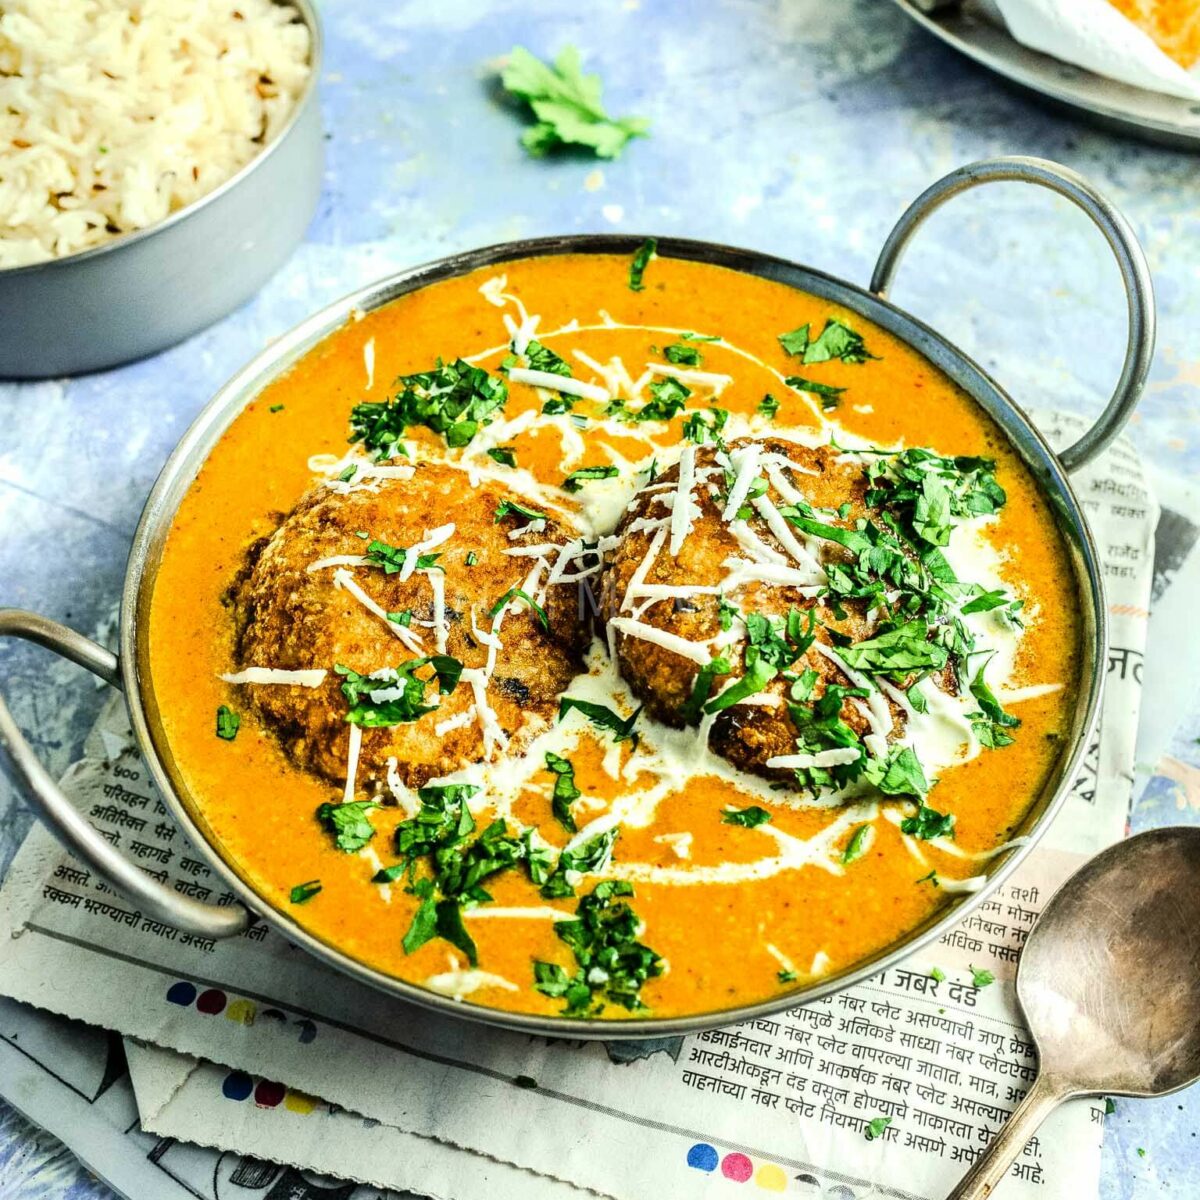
(801, 127)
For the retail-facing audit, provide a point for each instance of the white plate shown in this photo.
(1151, 115)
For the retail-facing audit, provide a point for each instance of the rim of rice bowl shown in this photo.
(308, 13)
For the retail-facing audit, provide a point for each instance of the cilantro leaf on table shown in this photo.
(567, 106)
(875, 1127)
(981, 977)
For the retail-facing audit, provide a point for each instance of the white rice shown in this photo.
(116, 113)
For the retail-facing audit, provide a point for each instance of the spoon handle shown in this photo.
(992, 1165)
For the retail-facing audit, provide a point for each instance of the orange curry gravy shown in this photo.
(726, 942)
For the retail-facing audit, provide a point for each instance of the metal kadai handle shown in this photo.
(64, 819)
(1135, 274)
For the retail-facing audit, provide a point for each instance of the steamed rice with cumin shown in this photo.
(116, 113)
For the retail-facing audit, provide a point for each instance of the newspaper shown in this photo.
(71, 1079)
(792, 1097)
(261, 1120)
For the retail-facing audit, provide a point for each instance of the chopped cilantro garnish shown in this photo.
(901, 650)
(702, 688)
(349, 823)
(396, 695)
(991, 723)
(859, 843)
(516, 593)
(556, 406)
(758, 674)
(932, 877)
(503, 455)
(701, 427)
(771, 646)
(348, 474)
(454, 400)
(510, 508)
(438, 918)
(726, 612)
(577, 479)
(228, 723)
(928, 824)
(472, 558)
(542, 358)
(829, 394)
(303, 892)
(275, 408)
(836, 340)
(441, 834)
(611, 964)
(786, 976)
(900, 774)
(768, 407)
(601, 715)
(981, 978)
(403, 617)
(682, 355)
(937, 974)
(876, 1126)
(392, 558)
(796, 342)
(640, 261)
(593, 856)
(819, 726)
(565, 792)
(567, 106)
(748, 818)
(667, 398)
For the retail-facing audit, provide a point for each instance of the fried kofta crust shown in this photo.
(291, 617)
(747, 735)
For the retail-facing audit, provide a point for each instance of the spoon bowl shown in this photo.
(1109, 985)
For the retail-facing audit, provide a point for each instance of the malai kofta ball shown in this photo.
(681, 591)
(431, 610)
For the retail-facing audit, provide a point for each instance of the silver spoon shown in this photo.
(1109, 982)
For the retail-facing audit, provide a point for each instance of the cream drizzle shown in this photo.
(669, 758)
